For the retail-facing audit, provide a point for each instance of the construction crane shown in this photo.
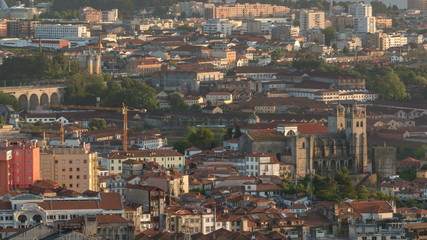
(61, 132)
(123, 110)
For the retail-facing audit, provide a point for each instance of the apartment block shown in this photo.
(74, 168)
(312, 18)
(164, 157)
(19, 164)
(21, 29)
(89, 14)
(418, 5)
(59, 31)
(246, 11)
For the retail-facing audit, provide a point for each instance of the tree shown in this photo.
(421, 151)
(181, 145)
(97, 124)
(177, 102)
(408, 175)
(8, 99)
(185, 28)
(237, 132)
(362, 193)
(345, 50)
(395, 22)
(385, 81)
(202, 138)
(329, 33)
(228, 134)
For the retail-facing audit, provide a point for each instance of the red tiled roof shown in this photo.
(311, 128)
(372, 207)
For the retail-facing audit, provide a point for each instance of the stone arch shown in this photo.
(333, 165)
(44, 100)
(23, 102)
(34, 101)
(290, 133)
(54, 99)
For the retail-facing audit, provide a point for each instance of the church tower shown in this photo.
(336, 119)
(356, 139)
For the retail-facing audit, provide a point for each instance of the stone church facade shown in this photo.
(344, 145)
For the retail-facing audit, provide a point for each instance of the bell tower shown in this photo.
(336, 119)
(355, 132)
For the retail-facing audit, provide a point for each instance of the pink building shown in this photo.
(19, 164)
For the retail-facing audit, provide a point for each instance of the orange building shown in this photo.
(382, 22)
(19, 164)
(247, 11)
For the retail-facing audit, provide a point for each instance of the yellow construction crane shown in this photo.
(61, 132)
(123, 110)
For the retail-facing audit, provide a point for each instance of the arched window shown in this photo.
(357, 124)
(303, 145)
(361, 123)
(37, 218)
(22, 218)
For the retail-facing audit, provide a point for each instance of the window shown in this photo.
(84, 161)
(112, 168)
(70, 162)
(78, 169)
(70, 177)
(85, 177)
(71, 185)
(63, 169)
(78, 176)
(56, 161)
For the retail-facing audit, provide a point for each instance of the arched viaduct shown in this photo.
(33, 97)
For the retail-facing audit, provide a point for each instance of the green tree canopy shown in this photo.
(329, 33)
(202, 138)
(8, 99)
(177, 102)
(97, 124)
(181, 145)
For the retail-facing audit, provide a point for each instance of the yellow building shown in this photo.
(73, 168)
(384, 22)
(167, 158)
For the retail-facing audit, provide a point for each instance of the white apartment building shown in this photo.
(393, 40)
(312, 18)
(258, 164)
(363, 20)
(59, 31)
(215, 25)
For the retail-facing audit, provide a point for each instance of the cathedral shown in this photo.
(342, 144)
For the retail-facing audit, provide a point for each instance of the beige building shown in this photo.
(73, 168)
(172, 182)
(312, 18)
(166, 158)
(246, 11)
(217, 98)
